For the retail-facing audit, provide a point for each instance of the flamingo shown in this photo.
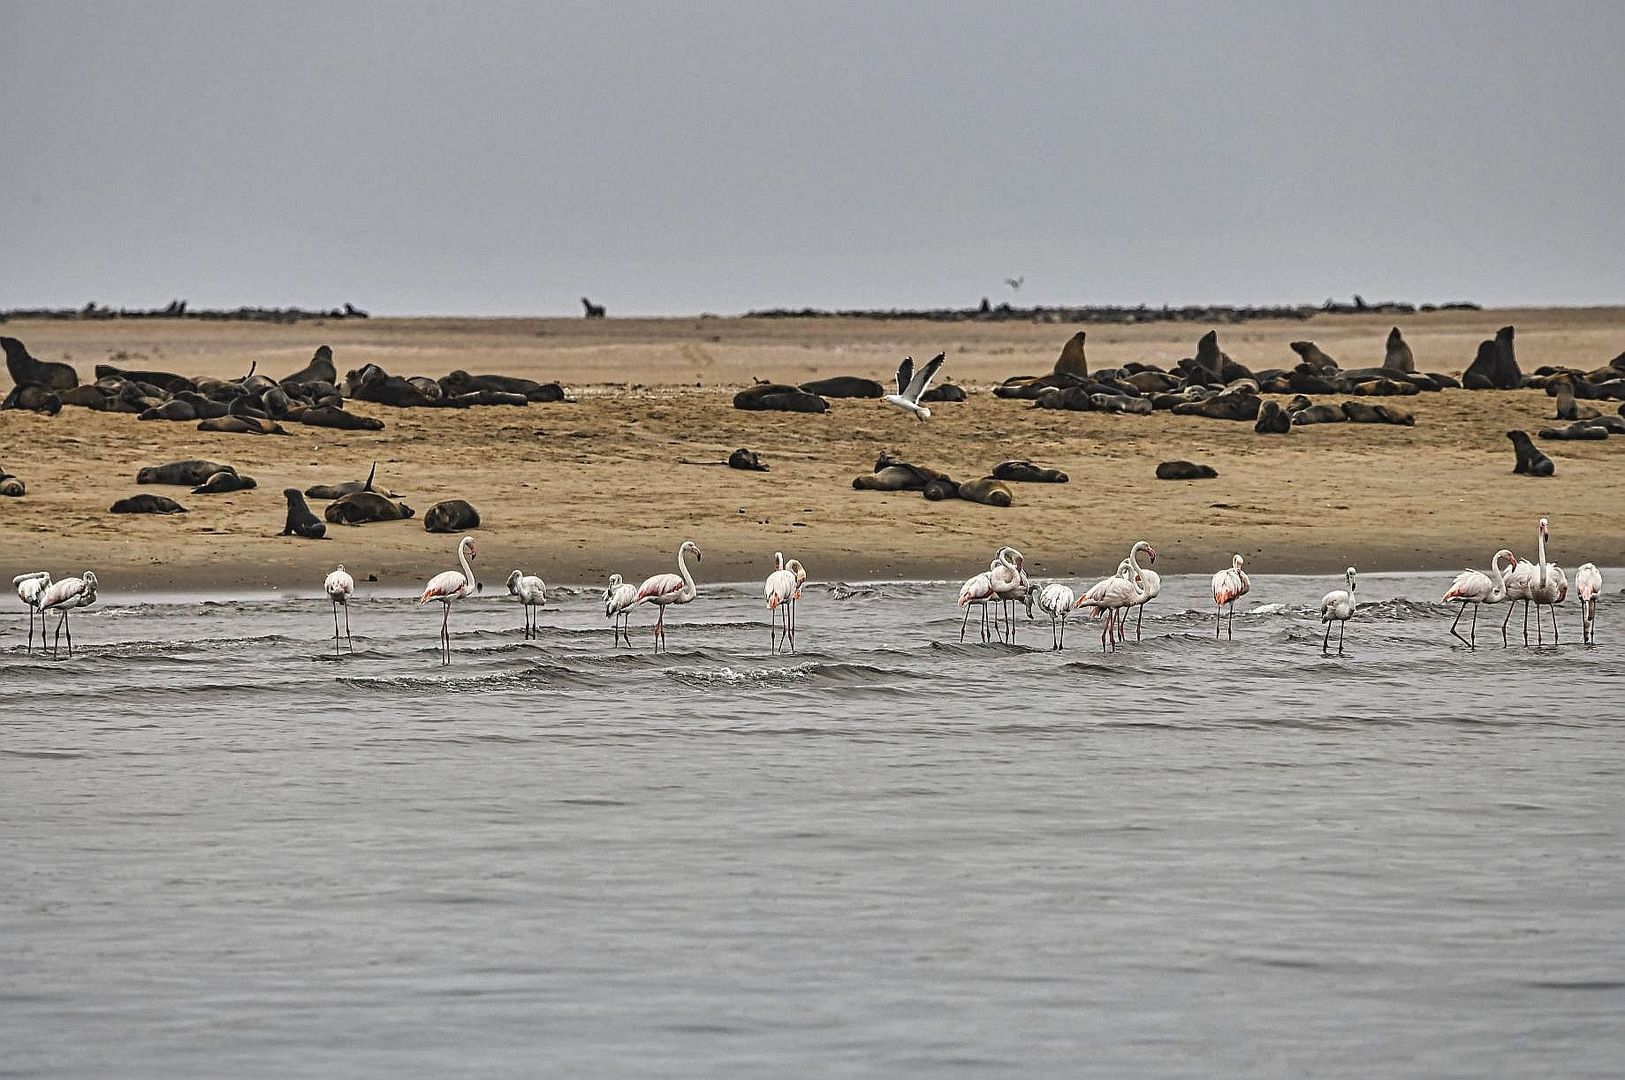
(663, 590)
(1150, 582)
(618, 601)
(911, 385)
(450, 586)
(1588, 586)
(1543, 584)
(1228, 587)
(30, 587)
(1055, 600)
(1107, 598)
(977, 591)
(1010, 586)
(532, 593)
(339, 586)
(782, 590)
(1478, 588)
(1338, 606)
(63, 597)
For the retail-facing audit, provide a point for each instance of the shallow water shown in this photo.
(227, 852)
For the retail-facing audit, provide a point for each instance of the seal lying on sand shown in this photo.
(777, 397)
(10, 485)
(451, 515)
(894, 474)
(242, 425)
(329, 416)
(147, 504)
(1185, 470)
(459, 383)
(26, 370)
(1023, 471)
(349, 487)
(301, 522)
(1530, 459)
(1273, 420)
(320, 369)
(362, 507)
(845, 386)
(34, 398)
(1309, 353)
(748, 460)
(988, 490)
(181, 473)
(222, 482)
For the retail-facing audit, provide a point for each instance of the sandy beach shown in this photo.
(616, 480)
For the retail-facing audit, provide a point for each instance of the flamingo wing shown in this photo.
(780, 587)
(445, 585)
(976, 590)
(1471, 585)
(62, 592)
(658, 586)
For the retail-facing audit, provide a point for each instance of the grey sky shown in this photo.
(507, 158)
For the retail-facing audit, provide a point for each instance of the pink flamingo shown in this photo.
(1542, 583)
(1337, 606)
(1228, 587)
(1478, 588)
(1150, 584)
(532, 594)
(63, 597)
(1010, 586)
(618, 601)
(1588, 586)
(782, 590)
(339, 586)
(448, 587)
(663, 590)
(30, 587)
(977, 591)
(1107, 598)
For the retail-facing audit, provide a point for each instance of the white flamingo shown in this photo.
(1228, 587)
(1478, 588)
(63, 597)
(618, 601)
(663, 590)
(1056, 600)
(1337, 606)
(340, 586)
(1010, 586)
(977, 592)
(532, 593)
(1150, 584)
(1588, 586)
(911, 385)
(30, 587)
(781, 591)
(1540, 583)
(450, 586)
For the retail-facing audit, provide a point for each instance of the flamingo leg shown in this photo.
(1218, 619)
(1474, 631)
(1341, 627)
(1526, 623)
(1326, 642)
(790, 621)
(1554, 624)
(1138, 619)
(68, 629)
(1460, 611)
(30, 630)
(335, 627)
(348, 640)
(445, 636)
(660, 629)
(964, 624)
(1505, 623)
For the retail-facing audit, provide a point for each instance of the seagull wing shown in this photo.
(917, 385)
(905, 372)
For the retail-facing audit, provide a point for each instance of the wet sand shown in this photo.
(607, 484)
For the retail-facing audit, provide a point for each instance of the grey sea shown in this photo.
(226, 852)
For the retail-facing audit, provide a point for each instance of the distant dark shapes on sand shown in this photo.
(147, 504)
(188, 473)
(892, 473)
(458, 390)
(224, 481)
(362, 507)
(1273, 420)
(592, 310)
(1530, 460)
(1185, 470)
(1020, 470)
(747, 460)
(178, 309)
(844, 386)
(450, 516)
(1143, 313)
(1495, 367)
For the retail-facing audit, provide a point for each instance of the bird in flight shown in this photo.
(1016, 282)
(911, 385)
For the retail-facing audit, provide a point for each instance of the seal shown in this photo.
(1311, 354)
(1020, 470)
(1318, 414)
(301, 522)
(147, 504)
(328, 416)
(24, 369)
(748, 460)
(1185, 470)
(320, 369)
(845, 386)
(1072, 360)
(1240, 405)
(989, 491)
(449, 516)
(181, 473)
(362, 507)
(1530, 460)
(10, 485)
(242, 425)
(349, 487)
(1397, 354)
(776, 397)
(1273, 420)
(457, 383)
(222, 482)
(167, 381)
(1495, 367)
(34, 398)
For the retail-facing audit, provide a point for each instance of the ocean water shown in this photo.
(225, 852)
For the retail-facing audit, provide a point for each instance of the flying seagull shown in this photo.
(911, 385)
(1016, 282)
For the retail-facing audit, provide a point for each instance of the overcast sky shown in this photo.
(497, 158)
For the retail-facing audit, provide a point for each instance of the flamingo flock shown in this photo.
(995, 591)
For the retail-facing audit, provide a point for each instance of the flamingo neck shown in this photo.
(1498, 578)
(468, 571)
(688, 579)
(1541, 554)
